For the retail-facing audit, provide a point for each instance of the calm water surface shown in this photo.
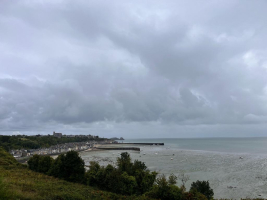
(214, 159)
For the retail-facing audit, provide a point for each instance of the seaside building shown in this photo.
(58, 135)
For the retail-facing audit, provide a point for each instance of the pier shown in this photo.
(150, 143)
(118, 148)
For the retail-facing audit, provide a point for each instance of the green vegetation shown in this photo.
(40, 164)
(126, 178)
(69, 167)
(35, 142)
(19, 182)
(167, 190)
(4, 194)
(202, 187)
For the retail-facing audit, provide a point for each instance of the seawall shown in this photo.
(150, 143)
(119, 148)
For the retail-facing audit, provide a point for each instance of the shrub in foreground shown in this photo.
(40, 163)
(203, 187)
(69, 167)
(127, 178)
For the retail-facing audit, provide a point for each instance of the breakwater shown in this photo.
(118, 148)
(146, 143)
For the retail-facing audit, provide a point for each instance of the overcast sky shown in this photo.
(136, 69)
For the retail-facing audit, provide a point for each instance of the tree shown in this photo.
(33, 162)
(128, 184)
(172, 179)
(164, 190)
(203, 187)
(45, 163)
(184, 178)
(57, 169)
(127, 178)
(74, 167)
(69, 167)
(91, 174)
(138, 165)
(124, 163)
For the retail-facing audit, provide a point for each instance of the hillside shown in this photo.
(35, 142)
(18, 182)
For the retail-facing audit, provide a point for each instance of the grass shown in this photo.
(18, 182)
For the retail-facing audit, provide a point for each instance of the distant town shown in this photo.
(73, 142)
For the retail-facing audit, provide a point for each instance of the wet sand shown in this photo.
(230, 176)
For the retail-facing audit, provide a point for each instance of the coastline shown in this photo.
(226, 171)
(24, 160)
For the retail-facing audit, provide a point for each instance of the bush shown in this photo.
(33, 162)
(128, 178)
(40, 163)
(45, 163)
(202, 187)
(69, 167)
(163, 189)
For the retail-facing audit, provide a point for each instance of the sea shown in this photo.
(235, 167)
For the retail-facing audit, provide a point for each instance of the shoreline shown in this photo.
(24, 160)
(226, 171)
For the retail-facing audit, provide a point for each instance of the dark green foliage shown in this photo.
(138, 165)
(128, 178)
(33, 162)
(172, 179)
(40, 163)
(124, 163)
(69, 167)
(6, 159)
(127, 184)
(109, 178)
(34, 142)
(145, 180)
(91, 174)
(203, 187)
(74, 167)
(164, 190)
(45, 164)
(57, 169)
(17, 182)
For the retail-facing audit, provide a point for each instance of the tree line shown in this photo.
(36, 142)
(126, 177)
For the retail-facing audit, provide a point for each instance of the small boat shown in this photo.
(171, 158)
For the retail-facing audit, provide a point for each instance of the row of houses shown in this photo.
(56, 149)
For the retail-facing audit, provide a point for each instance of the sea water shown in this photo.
(235, 167)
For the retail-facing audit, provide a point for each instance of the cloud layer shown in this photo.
(134, 68)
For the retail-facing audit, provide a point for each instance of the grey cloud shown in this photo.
(91, 66)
